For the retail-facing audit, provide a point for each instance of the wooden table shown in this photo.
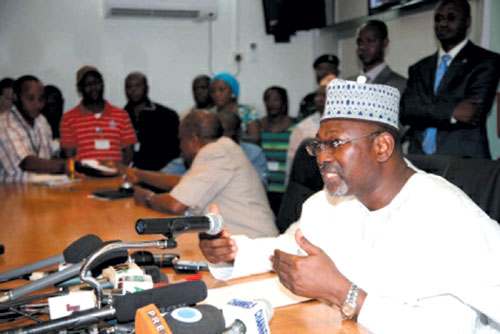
(37, 222)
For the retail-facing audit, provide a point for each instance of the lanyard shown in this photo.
(35, 148)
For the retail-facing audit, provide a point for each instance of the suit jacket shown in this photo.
(388, 77)
(473, 73)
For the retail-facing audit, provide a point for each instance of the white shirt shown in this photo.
(452, 53)
(429, 261)
(19, 140)
(374, 72)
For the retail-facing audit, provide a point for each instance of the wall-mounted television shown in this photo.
(284, 17)
(379, 6)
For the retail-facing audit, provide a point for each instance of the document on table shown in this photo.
(51, 179)
(270, 289)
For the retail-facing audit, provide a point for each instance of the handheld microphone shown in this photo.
(211, 224)
(74, 253)
(247, 317)
(206, 319)
(123, 308)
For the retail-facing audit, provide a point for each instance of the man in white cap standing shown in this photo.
(383, 241)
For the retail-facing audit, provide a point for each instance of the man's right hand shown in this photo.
(468, 111)
(221, 249)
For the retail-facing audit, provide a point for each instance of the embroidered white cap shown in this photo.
(362, 101)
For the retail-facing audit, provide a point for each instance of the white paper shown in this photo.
(270, 289)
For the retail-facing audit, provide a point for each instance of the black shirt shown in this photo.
(157, 129)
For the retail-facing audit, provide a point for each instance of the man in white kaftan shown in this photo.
(424, 256)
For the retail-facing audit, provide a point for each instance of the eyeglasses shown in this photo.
(315, 147)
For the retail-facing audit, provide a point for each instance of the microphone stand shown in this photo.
(86, 276)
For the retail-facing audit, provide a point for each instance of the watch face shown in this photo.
(348, 311)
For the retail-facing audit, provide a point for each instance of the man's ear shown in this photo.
(14, 98)
(383, 146)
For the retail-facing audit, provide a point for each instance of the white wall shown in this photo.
(52, 39)
(411, 37)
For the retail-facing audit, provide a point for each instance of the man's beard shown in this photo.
(341, 188)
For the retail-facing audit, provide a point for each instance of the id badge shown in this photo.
(102, 144)
(273, 166)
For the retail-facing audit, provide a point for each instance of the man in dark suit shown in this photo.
(372, 41)
(450, 92)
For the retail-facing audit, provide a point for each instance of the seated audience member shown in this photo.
(383, 241)
(201, 94)
(450, 92)
(231, 123)
(25, 135)
(308, 127)
(53, 109)
(276, 128)
(218, 172)
(6, 92)
(156, 126)
(224, 91)
(327, 64)
(95, 129)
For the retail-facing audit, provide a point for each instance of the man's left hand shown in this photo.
(313, 276)
(140, 195)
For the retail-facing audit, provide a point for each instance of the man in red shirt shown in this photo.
(95, 129)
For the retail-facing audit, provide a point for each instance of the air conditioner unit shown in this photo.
(179, 9)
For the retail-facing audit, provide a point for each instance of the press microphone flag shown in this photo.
(123, 308)
(247, 317)
(206, 319)
(74, 253)
(211, 224)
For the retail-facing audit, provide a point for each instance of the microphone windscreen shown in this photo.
(143, 258)
(82, 248)
(185, 293)
(156, 274)
(206, 319)
(112, 258)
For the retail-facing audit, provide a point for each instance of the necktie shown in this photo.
(430, 134)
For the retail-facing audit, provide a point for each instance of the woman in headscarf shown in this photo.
(224, 90)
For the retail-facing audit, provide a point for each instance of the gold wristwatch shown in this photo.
(348, 307)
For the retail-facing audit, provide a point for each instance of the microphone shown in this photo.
(74, 253)
(206, 319)
(145, 258)
(123, 308)
(211, 224)
(63, 275)
(247, 317)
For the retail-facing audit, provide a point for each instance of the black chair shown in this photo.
(304, 180)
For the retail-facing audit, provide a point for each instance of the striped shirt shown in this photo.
(275, 146)
(97, 136)
(19, 140)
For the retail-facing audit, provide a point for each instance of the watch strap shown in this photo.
(350, 300)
